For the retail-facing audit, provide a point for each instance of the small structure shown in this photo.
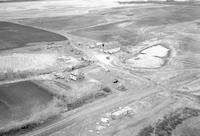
(91, 131)
(120, 113)
(121, 87)
(100, 44)
(92, 46)
(111, 47)
(115, 81)
(72, 77)
(53, 46)
(108, 47)
(76, 75)
(104, 120)
(59, 75)
(64, 58)
(97, 45)
(99, 127)
(112, 50)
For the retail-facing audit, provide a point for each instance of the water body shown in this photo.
(14, 35)
(19, 100)
(152, 57)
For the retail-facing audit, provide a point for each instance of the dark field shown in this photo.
(65, 22)
(127, 33)
(177, 15)
(169, 2)
(122, 24)
(110, 32)
(15, 35)
(20, 100)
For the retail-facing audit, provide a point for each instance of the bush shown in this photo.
(147, 131)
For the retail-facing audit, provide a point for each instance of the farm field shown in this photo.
(21, 100)
(99, 68)
(15, 35)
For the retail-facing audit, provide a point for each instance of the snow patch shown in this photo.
(149, 58)
(158, 51)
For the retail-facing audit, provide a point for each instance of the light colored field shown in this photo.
(51, 8)
(23, 62)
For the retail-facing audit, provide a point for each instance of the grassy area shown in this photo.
(27, 105)
(165, 126)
